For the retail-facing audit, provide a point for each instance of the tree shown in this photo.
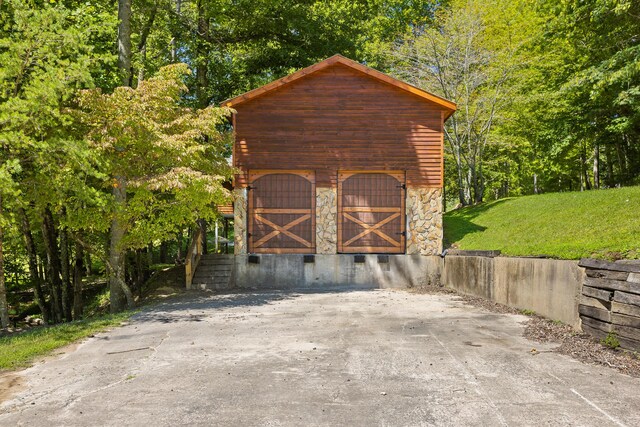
(4, 306)
(166, 161)
(471, 56)
(46, 52)
(596, 83)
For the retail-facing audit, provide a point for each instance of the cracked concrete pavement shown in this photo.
(337, 357)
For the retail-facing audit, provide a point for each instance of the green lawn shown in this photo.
(600, 224)
(20, 349)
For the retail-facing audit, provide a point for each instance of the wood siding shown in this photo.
(340, 119)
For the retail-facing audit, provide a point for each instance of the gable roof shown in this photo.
(446, 105)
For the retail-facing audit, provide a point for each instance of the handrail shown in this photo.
(196, 249)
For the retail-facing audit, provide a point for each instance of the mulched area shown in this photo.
(577, 345)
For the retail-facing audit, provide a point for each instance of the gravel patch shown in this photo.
(577, 345)
(581, 346)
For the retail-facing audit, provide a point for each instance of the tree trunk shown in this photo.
(142, 44)
(50, 238)
(4, 306)
(124, 41)
(143, 61)
(467, 187)
(621, 163)
(173, 39)
(478, 185)
(87, 264)
(585, 184)
(33, 265)
(202, 61)
(610, 177)
(77, 282)
(461, 197)
(596, 166)
(116, 253)
(67, 291)
(141, 270)
(150, 254)
(203, 225)
(179, 239)
(163, 252)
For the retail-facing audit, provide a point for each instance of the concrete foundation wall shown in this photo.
(290, 271)
(551, 288)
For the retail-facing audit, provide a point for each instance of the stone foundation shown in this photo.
(326, 217)
(424, 221)
(240, 221)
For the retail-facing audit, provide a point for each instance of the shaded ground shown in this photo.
(366, 358)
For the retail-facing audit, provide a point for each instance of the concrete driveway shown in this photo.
(360, 357)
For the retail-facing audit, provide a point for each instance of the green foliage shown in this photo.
(611, 341)
(579, 107)
(98, 305)
(46, 55)
(601, 224)
(169, 157)
(474, 56)
(21, 349)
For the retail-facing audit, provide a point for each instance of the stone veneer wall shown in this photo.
(240, 221)
(326, 220)
(424, 221)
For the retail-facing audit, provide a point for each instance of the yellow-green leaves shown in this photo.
(169, 156)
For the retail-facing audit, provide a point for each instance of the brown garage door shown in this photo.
(282, 212)
(371, 212)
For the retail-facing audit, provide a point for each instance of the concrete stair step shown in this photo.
(219, 257)
(212, 276)
(213, 271)
(210, 268)
(207, 266)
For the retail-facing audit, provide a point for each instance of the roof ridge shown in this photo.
(337, 58)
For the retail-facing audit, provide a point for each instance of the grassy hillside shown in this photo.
(600, 224)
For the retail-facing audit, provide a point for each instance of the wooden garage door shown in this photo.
(371, 212)
(282, 212)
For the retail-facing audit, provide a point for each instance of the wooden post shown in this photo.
(192, 257)
(216, 237)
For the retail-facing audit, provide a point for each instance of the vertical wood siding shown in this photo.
(340, 119)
